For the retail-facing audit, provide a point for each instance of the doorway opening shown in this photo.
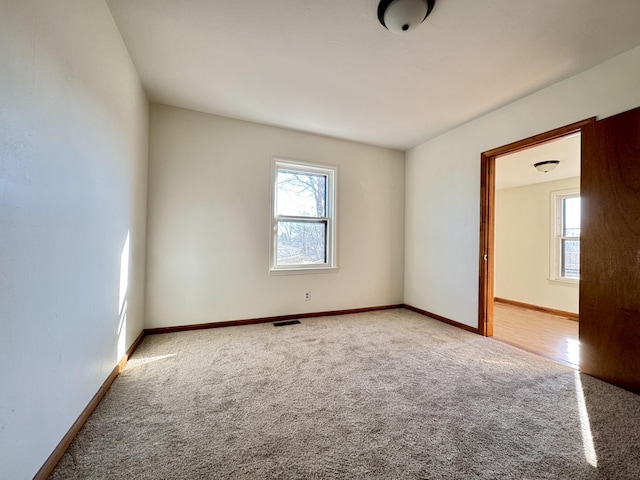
(496, 178)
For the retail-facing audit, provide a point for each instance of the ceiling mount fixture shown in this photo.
(401, 16)
(546, 166)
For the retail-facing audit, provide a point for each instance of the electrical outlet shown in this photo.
(307, 296)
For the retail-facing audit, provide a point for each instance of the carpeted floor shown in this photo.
(381, 395)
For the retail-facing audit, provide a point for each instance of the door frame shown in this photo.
(487, 214)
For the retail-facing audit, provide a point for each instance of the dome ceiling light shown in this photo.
(401, 16)
(546, 166)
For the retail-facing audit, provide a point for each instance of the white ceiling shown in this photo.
(516, 169)
(329, 67)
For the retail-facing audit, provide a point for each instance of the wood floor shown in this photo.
(544, 334)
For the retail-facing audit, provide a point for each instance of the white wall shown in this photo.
(209, 213)
(73, 158)
(443, 181)
(523, 230)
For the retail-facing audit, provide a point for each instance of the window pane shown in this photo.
(570, 258)
(301, 243)
(301, 194)
(571, 217)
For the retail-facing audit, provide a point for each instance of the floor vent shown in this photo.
(288, 322)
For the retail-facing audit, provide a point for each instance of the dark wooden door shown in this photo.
(610, 250)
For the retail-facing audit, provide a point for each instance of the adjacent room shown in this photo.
(537, 249)
(248, 239)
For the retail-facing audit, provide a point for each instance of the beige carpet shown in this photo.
(382, 395)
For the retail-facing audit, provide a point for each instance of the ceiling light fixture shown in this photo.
(403, 15)
(546, 166)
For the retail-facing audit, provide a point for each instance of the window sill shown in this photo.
(302, 271)
(564, 282)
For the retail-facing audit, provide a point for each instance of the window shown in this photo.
(303, 219)
(566, 238)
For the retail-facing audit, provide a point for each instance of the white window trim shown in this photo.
(331, 219)
(555, 247)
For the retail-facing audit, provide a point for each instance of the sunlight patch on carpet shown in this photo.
(585, 425)
(136, 362)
